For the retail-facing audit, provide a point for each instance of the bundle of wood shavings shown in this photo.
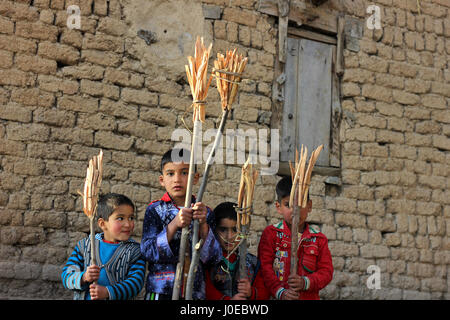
(92, 185)
(228, 71)
(197, 74)
(302, 178)
(246, 192)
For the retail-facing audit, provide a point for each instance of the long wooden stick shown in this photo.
(198, 81)
(185, 230)
(245, 208)
(91, 189)
(294, 236)
(293, 203)
(228, 74)
(196, 244)
(299, 196)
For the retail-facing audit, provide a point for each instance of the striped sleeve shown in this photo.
(72, 271)
(132, 285)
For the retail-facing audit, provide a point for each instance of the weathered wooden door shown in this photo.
(308, 98)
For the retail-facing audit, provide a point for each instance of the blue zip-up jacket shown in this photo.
(162, 256)
(125, 269)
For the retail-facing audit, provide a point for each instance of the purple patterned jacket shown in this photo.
(162, 256)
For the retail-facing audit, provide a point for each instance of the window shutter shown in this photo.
(308, 90)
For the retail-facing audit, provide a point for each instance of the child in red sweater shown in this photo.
(222, 281)
(315, 267)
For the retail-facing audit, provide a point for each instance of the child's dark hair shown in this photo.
(109, 202)
(176, 155)
(225, 210)
(284, 187)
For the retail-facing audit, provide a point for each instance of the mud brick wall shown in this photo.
(66, 93)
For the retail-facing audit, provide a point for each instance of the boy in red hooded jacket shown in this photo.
(315, 267)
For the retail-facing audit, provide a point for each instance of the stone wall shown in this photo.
(65, 94)
(393, 209)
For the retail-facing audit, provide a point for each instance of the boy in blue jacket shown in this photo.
(121, 267)
(163, 223)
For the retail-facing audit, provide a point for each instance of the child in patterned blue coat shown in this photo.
(121, 268)
(163, 222)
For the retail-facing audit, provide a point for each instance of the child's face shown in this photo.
(174, 179)
(286, 212)
(226, 233)
(119, 225)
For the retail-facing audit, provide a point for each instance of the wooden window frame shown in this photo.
(335, 164)
(328, 27)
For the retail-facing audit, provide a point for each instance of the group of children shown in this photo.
(121, 261)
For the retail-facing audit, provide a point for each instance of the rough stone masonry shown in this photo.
(118, 84)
